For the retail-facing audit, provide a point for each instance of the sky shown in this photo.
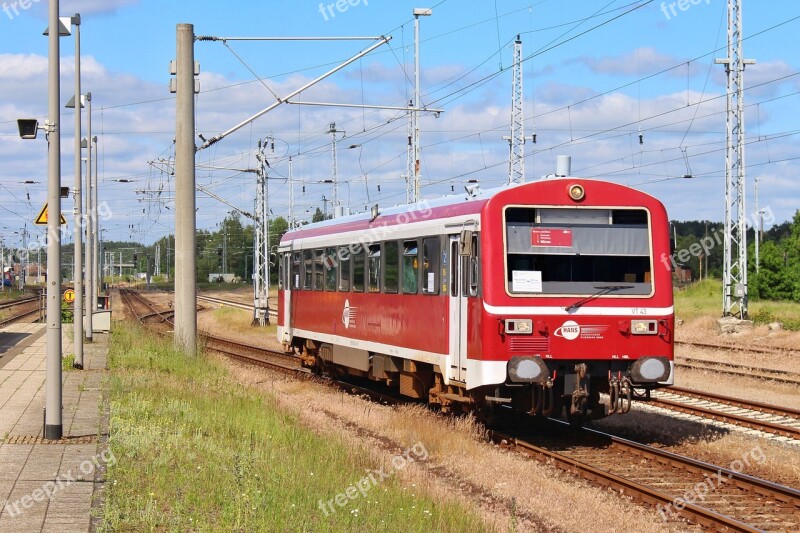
(597, 75)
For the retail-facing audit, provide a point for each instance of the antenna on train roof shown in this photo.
(563, 166)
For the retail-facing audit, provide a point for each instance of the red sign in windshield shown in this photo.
(551, 237)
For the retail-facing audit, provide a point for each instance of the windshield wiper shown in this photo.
(601, 292)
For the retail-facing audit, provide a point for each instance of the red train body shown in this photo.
(541, 296)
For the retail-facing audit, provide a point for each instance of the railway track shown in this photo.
(729, 347)
(679, 487)
(20, 301)
(20, 315)
(753, 415)
(233, 303)
(721, 367)
(134, 301)
(729, 499)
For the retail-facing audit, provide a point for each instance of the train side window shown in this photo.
(319, 269)
(308, 269)
(374, 268)
(410, 267)
(473, 268)
(330, 269)
(296, 270)
(281, 272)
(391, 267)
(430, 265)
(344, 269)
(358, 270)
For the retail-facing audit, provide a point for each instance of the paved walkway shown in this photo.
(49, 485)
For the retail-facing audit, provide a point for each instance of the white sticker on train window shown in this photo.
(526, 281)
(431, 281)
(297, 281)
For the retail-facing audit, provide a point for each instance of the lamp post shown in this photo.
(53, 428)
(89, 333)
(418, 12)
(98, 278)
(77, 104)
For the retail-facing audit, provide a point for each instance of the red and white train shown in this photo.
(541, 295)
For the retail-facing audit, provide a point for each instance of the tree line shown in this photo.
(699, 244)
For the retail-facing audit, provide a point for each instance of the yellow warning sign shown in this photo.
(42, 218)
(69, 296)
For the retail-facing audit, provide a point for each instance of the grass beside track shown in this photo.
(196, 451)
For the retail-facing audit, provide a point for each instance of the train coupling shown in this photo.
(620, 391)
(581, 393)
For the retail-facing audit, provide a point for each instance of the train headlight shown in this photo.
(644, 327)
(650, 369)
(576, 192)
(519, 326)
(527, 369)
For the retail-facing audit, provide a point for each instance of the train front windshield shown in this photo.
(578, 252)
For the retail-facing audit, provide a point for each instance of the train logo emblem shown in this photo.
(569, 330)
(349, 315)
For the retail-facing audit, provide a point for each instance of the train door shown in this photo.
(288, 285)
(457, 312)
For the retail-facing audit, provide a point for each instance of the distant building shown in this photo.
(683, 273)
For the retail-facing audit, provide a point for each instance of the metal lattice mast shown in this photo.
(291, 195)
(410, 153)
(260, 279)
(517, 163)
(333, 131)
(734, 276)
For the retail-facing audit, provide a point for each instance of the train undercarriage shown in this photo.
(571, 389)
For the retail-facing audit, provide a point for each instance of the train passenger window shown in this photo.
(344, 269)
(358, 270)
(391, 252)
(308, 269)
(295, 270)
(473, 270)
(410, 267)
(374, 268)
(330, 269)
(281, 272)
(319, 269)
(430, 265)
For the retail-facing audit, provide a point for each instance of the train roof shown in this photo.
(443, 207)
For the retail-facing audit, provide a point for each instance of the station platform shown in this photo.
(50, 485)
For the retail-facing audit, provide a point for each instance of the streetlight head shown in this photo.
(423, 12)
(64, 27)
(71, 103)
(28, 128)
